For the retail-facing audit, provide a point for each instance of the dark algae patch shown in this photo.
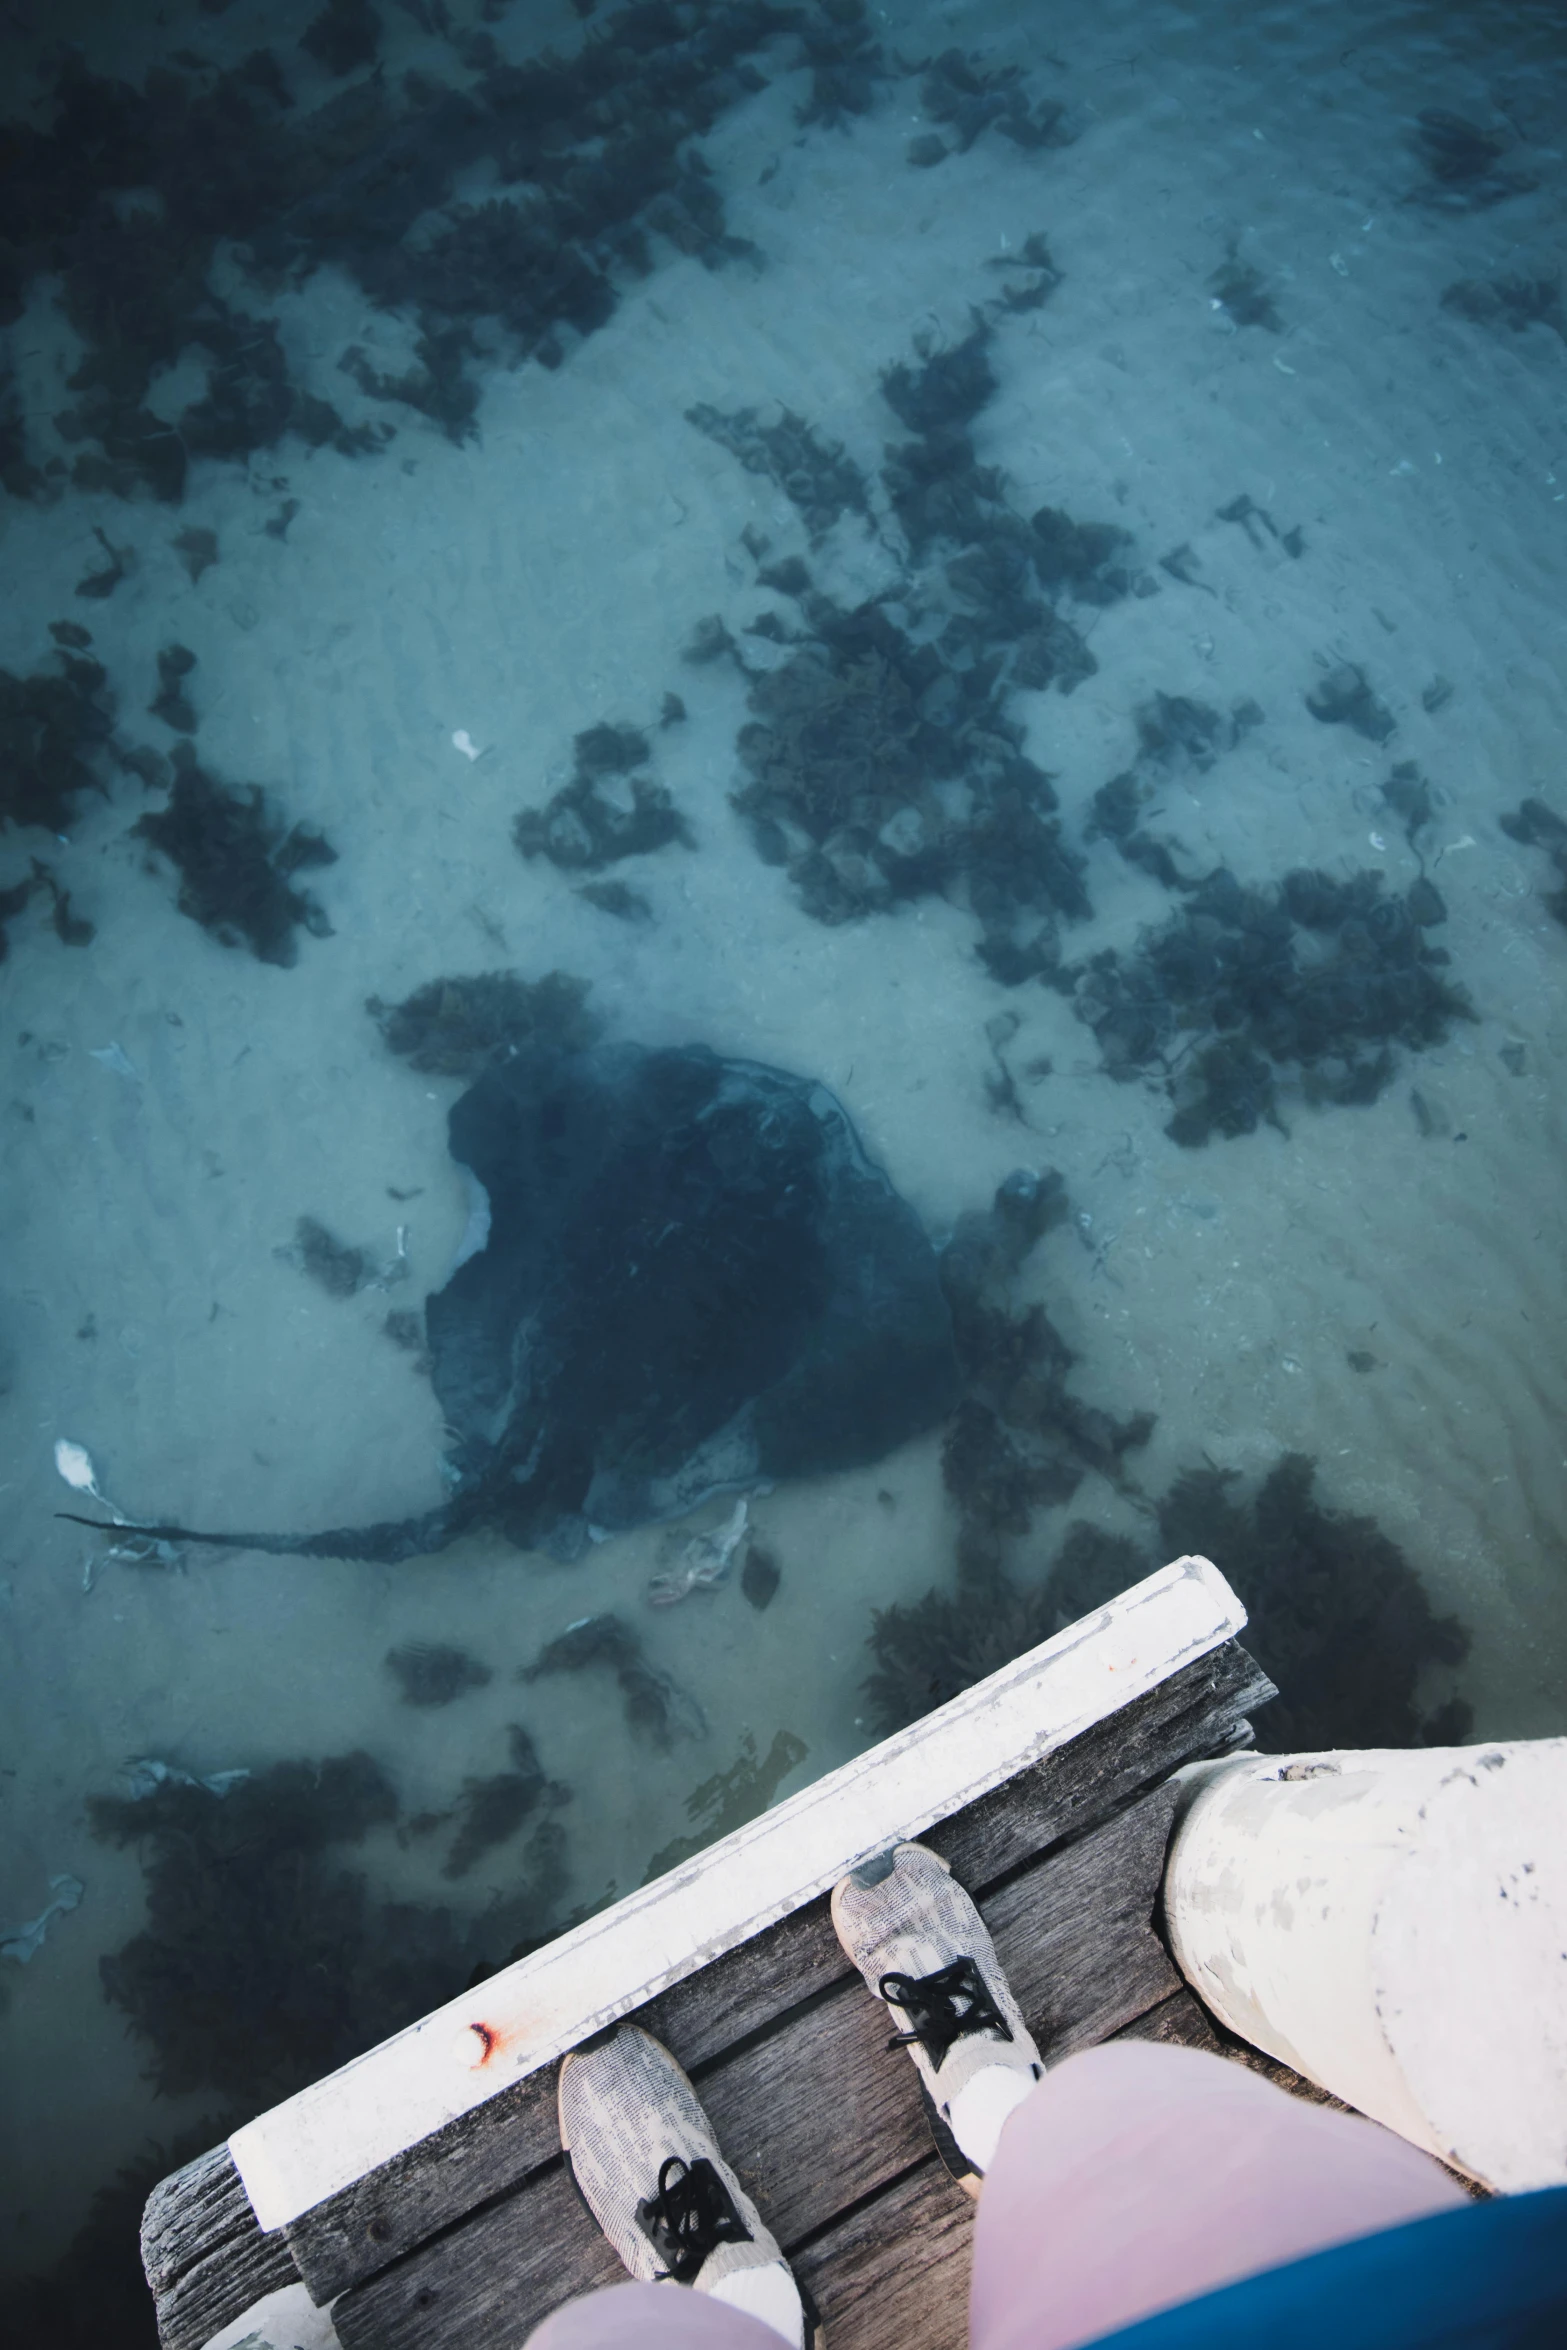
(455, 1027)
(128, 195)
(1248, 996)
(1535, 826)
(656, 1708)
(730, 1798)
(490, 1811)
(266, 1961)
(610, 809)
(432, 1673)
(237, 859)
(96, 2296)
(54, 726)
(1020, 1439)
(1338, 1616)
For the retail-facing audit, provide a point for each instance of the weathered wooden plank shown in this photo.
(451, 2062)
(1196, 1711)
(1075, 1935)
(223, 2285)
(1073, 1931)
(489, 2281)
(894, 2274)
(1180, 2021)
(349, 2237)
(192, 2213)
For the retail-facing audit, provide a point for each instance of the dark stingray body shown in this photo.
(694, 1279)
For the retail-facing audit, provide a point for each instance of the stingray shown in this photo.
(683, 1275)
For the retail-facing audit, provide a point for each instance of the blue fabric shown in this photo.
(1492, 2277)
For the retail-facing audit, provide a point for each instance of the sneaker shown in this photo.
(924, 1950)
(648, 2167)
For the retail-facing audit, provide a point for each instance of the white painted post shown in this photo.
(1394, 1926)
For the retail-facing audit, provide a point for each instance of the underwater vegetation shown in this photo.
(96, 2297)
(884, 759)
(929, 1649)
(53, 725)
(490, 1811)
(237, 857)
(730, 1798)
(1020, 1439)
(334, 1265)
(72, 930)
(1242, 292)
(760, 1577)
(456, 1027)
(656, 1707)
(1344, 698)
(1535, 826)
(1509, 305)
(265, 1960)
(172, 703)
(1462, 162)
(968, 98)
(879, 775)
(1307, 984)
(820, 481)
(130, 194)
(589, 824)
(1338, 1616)
(431, 1673)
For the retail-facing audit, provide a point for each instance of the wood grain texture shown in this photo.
(221, 2286)
(817, 2115)
(488, 2282)
(1178, 2022)
(894, 2275)
(190, 2214)
(349, 2237)
(1075, 1930)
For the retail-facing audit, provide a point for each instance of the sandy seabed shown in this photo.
(546, 575)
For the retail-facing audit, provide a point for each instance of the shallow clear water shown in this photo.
(1305, 350)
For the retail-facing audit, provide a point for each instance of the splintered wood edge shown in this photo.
(336, 2132)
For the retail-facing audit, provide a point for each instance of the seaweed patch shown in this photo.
(1307, 985)
(656, 1707)
(1338, 1616)
(265, 1961)
(237, 859)
(730, 1798)
(609, 810)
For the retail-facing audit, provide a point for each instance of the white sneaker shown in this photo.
(649, 2168)
(924, 1950)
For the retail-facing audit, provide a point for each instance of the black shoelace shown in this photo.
(943, 2008)
(691, 2214)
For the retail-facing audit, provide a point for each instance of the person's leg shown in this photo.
(1136, 2176)
(650, 2317)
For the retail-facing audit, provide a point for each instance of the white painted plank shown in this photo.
(523, 2018)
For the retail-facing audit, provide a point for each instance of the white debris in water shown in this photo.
(24, 1942)
(703, 1563)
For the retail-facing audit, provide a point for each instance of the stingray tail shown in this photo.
(387, 1544)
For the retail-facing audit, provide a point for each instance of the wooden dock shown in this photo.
(421, 2192)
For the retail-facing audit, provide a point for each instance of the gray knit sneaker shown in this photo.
(648, 2166)
(923, 1948)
